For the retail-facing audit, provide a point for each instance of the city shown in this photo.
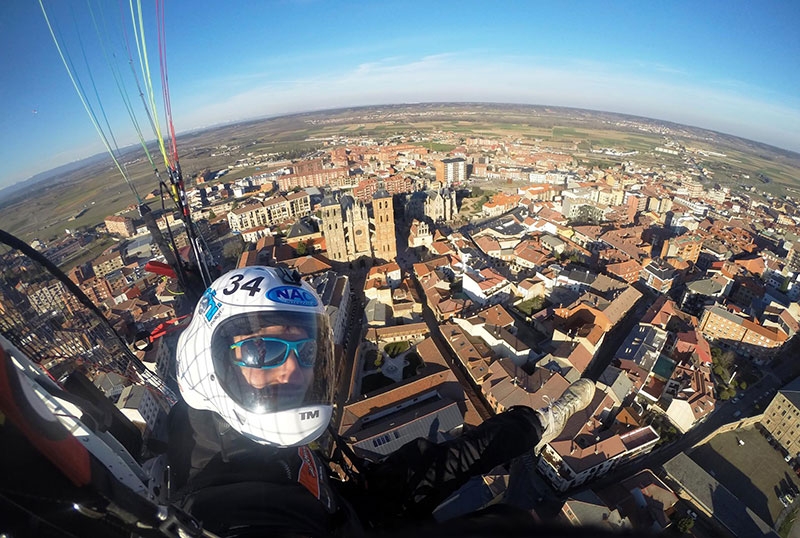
(464, 278)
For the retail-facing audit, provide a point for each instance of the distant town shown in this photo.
(482, 273)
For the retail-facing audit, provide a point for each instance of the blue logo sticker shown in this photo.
(292, 295)
(209, 305)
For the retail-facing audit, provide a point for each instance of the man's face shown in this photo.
(290, 373)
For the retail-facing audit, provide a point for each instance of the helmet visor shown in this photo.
(274, 361)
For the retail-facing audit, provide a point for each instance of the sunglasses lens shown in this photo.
(258, 353)
(272, 353)
(250, 356)
(307, 353)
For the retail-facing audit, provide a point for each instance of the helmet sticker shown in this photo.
(208, 305)
(292, 295)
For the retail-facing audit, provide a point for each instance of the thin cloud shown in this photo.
(642, 89)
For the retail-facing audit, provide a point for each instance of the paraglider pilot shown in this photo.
(256, 373)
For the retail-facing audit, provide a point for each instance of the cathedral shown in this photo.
(351, 234)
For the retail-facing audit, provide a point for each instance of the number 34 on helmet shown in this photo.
(259, 352)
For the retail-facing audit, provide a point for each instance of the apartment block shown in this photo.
(685, 247)
(275, 210)
(107, 263)
(449, 171)
(123, 226)
(741, 334)
(782, 418)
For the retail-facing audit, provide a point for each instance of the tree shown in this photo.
(393, 349)
(233, 249)
(726, 359)
(685, 524)
(301, 249)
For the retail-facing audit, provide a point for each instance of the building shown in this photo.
(642, 347)
(741, 334)
(112, 384)
(96, 289)
(691, 481)
(123, 226)
(395, 184)
(658, 276)
(142, 407)
(692, 393)
(271, 212)
(500, 203)
(431, 406)
(686, 247)
(586, 509)
(345, 226)
(487, 286)
(108, 263)
(704, 292)
(434, 205)
(782, 418)
(793, 257)
(312, 173)
(419, 234)
(628, 271)
(449, 171)
(384, 243)
(581, 210)
(45, 297)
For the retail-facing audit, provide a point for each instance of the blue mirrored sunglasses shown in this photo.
(269, 352)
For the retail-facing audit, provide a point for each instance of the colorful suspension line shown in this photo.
(76, 83)
(141, 49)
(178, 189)
(119, 81)
(138, 86)
(162, 57)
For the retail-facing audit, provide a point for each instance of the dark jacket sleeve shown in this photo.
(420, 475)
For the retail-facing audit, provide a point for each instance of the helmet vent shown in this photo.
(289, 276)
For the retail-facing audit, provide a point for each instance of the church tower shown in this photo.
(384, 242)
(333, 228)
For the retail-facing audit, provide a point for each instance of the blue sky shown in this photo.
(728, 66)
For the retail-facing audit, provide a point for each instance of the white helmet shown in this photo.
(259, 352)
